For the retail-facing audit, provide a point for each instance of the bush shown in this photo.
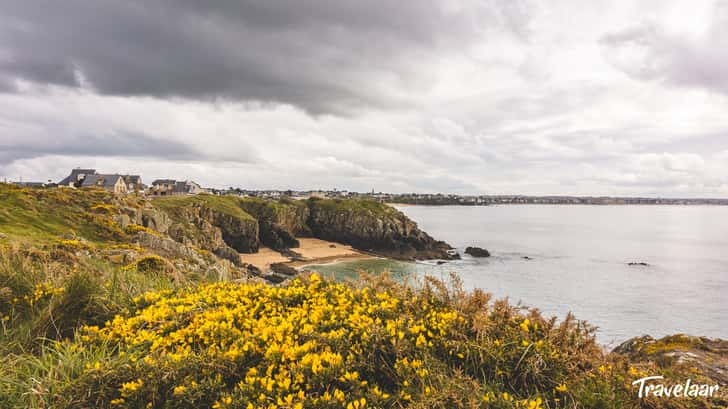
(151, 264)
(312, 344)
(328, 345)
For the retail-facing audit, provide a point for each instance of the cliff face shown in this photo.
(211, 223)
(375, 227)
(279, 221)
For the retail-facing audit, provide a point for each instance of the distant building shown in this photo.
(112, 183)
(171, 187)
(75, 179)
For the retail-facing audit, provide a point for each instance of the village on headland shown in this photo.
(130, 183)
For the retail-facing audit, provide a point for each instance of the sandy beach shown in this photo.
(313, 251)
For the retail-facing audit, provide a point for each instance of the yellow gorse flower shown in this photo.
(292, 336)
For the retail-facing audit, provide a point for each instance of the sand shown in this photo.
(264, 258)
(313, 251)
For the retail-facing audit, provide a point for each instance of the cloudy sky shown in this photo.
(484, 96)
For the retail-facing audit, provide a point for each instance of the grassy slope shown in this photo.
(229, 205)
(356, 205)
(267, 208)
(41, 216)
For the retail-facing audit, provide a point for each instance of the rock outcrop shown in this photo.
(701, 355)
(284, 269)
(205, 227)
(188, 258)
(374, 227)
(279, 221)
(477, 252)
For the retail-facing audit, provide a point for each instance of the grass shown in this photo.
(354, 205)
(228, 205)
(40, 216)
(270, 209)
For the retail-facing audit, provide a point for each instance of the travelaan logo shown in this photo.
(650, 386)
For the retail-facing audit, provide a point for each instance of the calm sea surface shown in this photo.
(578, 262)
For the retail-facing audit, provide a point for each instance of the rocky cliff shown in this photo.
(216, 223)
(210, 223)
(373, 227)
(279, 221)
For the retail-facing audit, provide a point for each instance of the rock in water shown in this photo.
(638, 264)
(477, 252)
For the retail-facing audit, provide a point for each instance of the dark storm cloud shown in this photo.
(651, 52)
(110, 144)
(323, 56)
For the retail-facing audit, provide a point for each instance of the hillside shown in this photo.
(221, 225)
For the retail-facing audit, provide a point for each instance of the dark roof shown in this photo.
(73, 177)
(186, 187)
(101, 180)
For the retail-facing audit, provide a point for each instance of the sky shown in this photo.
(598, 97)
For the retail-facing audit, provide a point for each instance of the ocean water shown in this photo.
(579, 259)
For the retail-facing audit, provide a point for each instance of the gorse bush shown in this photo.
(321, 344)
(151, 264)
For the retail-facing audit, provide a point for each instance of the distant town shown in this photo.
(80, 178)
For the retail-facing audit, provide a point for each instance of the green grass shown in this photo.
(355, 205)
(40, 216)
(228, 205)
(266, 208)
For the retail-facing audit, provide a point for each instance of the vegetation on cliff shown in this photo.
(42, 215)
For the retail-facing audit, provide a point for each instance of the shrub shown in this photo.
(329, 345)
(151, 264)
(103, 208)
(136, 228)
(313, 344)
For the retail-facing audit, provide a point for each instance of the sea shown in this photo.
(576, 258)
